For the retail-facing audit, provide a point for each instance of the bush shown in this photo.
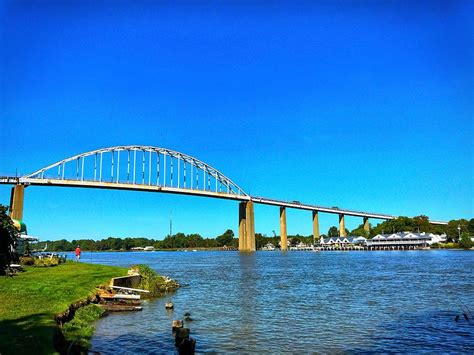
(27, 260)
(46, 262)
(153, 282)
(435, 246)
(449, 246)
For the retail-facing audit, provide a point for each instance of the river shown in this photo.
(301, 302)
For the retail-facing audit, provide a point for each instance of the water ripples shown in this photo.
(359, 302)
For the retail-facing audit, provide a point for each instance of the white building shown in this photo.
(393, 241)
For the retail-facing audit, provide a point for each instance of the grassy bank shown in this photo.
(30, 300)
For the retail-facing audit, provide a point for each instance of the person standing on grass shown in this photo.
(78, 253)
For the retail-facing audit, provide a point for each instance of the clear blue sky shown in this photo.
(365, 105)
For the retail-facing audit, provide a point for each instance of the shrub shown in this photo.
(46, 262)
(27, 260)
(154, 282)
(450, 246)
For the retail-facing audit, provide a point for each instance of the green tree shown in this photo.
(8, 237)
(294, 240)
(61, 245)
(470, 226)
(333, 232)
(452, 230)
(360, 231)
(465, 241)
(260, 240)
(421, 224)
(226, 238)
(397, 225)
(194, 240)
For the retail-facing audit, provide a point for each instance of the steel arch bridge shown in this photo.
(136, 167)
(148, 168)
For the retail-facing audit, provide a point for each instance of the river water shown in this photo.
(301, 302)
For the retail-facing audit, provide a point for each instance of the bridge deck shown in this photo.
(121, 186)
(221, 195)
(335, 210)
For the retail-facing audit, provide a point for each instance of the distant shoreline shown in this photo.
(227, 250)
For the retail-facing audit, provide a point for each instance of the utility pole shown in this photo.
(171, 223)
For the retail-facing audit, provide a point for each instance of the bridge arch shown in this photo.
(141, 167)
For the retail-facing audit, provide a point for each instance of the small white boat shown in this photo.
(268, 247)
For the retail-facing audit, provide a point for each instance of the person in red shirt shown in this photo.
(78, 253)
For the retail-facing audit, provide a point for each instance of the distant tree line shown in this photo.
(176, 241)
(228, 239)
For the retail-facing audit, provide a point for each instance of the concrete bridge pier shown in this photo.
(366, 225)
(246, 227)
(283, 235)
(342, 226)
(315, 226)
(16, 202)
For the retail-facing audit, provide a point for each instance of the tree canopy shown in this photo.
(8, 237)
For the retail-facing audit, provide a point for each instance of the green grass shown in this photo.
(30, 300)
(79, 331)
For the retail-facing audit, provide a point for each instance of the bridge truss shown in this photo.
(137, 167)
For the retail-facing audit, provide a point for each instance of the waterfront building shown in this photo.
(349, 243)
(436, 238)
(399, 241)
(393, 241)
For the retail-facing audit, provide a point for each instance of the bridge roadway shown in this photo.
(222, 195)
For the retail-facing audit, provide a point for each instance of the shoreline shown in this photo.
(258, 250)
(42, 302)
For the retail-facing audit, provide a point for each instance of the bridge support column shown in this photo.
(16, 202)
(342, 226)
(283, 235)
(246, 226)
(366, 225)
(315, 226)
